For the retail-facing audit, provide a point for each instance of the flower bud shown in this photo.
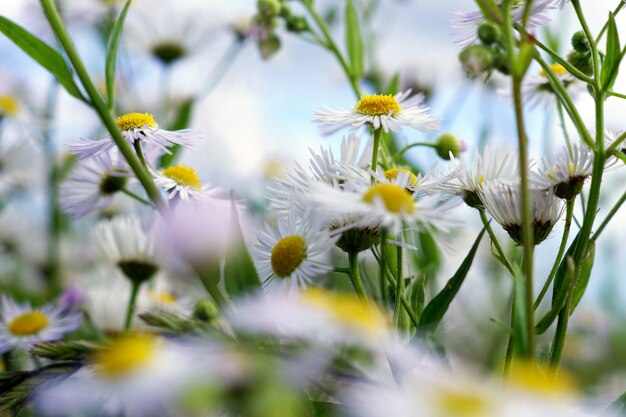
(476, 59)
(580, 42)
(205, 310)
(268, 8)
(448, 143)
(488, 33)
(581, 61)
(297, 24)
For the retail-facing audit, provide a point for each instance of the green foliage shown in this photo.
(613, 57)
(354, 42)
(111, 57)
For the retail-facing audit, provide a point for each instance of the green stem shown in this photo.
(619, 7)
(595, 56)
(616, 143)
(377, 134)
(131, 305)
(412, 145)
(494, 239)
(569, 67)
(355, 277)
(136, 197)
(99, 105)
(609, 216)
(570, 148)
(140, 155)
(399, 287)
(558, 344)
(614, 94)
(382, 262)
(332, 46)
(526, 215)
(568, 223)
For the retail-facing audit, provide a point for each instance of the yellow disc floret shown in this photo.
(557, 68)
(163, 297)
(288, 254)
(347, 309)
(395, 198)
(378, 105)
(132, 121)
(183, 175)
(27, 324)
(392, 174)
(8, 106)
(125, 355)
(462, 403)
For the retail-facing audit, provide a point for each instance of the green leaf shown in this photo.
(524, 58)
(583, 277)
(354, 42)
(111, 58)
(437, 307)
(269, 46)
(182, 120)
(561, 296)
(326, 409)
(394, 85)
(240, 275)
(617, 408)
(41, 52)
(417, 295)
(613, 57)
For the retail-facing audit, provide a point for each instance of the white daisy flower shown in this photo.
(504, 202)
(403, 177)
(315, 315)
(135, 127)
(93, 184)
(182, 182)
(380, 111)
(19, 165)
(130, 246)
(568, 174)
(295, 252)
(21, 325)
(611, 136)
(537, 91)
(466, 181)
(466, 23)
(136, 374)
(324, 166)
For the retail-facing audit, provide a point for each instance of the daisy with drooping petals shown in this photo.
(136, 374)
(130, 246)
(21, 325)
(294, 253)
(93, 184)
(504, 202)
(380, 111)
(137, 127)
(568, 174)
(466, 23)
(182, 182)
(466, 180)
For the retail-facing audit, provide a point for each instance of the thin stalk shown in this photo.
(332, 46)
(570, 148)
(595, 56)
(412, 145)
(98, 103)
(221, 68)
(494, 239)
(558, 344)
(130, 310)
(609, 216)
(382, 262)
(140, 155)
(377, 134)
(619, 7)
(559, 60)
(355, 277)
(399, 286)
(136, 197)
(615, 144)
(526, 215)
(614, 94)
(568, 223)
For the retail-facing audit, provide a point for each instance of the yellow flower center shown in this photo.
(27, 324)
(395, 198)
(346, 309)
(462, 404)
(530, 377)
(557, 68)
(287, 255)
(132, 121)
(378, 105)
(8, 106)
(163, 297)
(183, 175)
(125, 355)
(392, 174)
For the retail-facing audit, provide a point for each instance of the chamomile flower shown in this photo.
(93, 184)
(182, 182)
(403, 177)
(21, 325)
(388, 112)
(568, 173)
(137, 127)
(466, 23)
(537, 91)
(295, 252)
(130, 246)
(504, 202)
(466, 180)
(136, 374)
(314, 315)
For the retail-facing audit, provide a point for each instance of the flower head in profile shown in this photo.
(138, 128)
(93, 184)
(182, 182)
(537, 90)
(568, 173)
(504, 202)
(22, 325)
(380, 111)
(295, 252)
(130, 246)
